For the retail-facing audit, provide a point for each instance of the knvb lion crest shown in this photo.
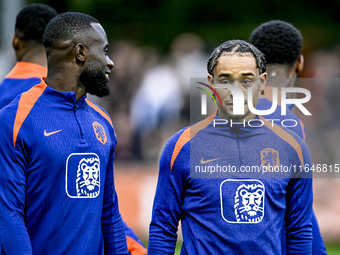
(249, 203)
(270, 158)
(88, 177)
(99, 132)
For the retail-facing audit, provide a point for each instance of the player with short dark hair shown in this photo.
(57, 191)
(281, 43)
(31, 67)
(31, 22)
(29, 50)
(236, 46)
(233, 212)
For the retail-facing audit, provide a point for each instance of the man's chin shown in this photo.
(100, 91)
(236, 117)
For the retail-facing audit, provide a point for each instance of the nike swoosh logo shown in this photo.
(209, 160)
(51, 133)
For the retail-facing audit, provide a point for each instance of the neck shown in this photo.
(280, 76)
(62, 81)
(35, 55)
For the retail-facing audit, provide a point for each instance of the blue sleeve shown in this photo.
(14, 235)
(135, 246)
(298, 217)
(318, 244)
(112, 223)
(168, 202)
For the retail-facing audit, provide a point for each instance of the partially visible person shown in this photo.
(57, 193)
(233, 212)
(281, 44)
(29, 50)
(32, 66)
(151, 114)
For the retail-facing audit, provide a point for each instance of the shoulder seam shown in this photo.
(100, 111)
(285, 136)
(25, 105)
(187, 135)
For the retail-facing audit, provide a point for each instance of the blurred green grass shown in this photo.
(332, 248)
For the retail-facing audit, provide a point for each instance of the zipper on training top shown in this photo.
(238, 143)
(80, 129)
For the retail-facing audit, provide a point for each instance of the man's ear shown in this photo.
(263, 81)
(80, 52)
(299, 64)
(16, 43)
(211, 80)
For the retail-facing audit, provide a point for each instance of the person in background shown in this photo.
(281, 44)
(29, 51)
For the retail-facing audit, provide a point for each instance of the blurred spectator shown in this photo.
(131, 63)
(164, 95)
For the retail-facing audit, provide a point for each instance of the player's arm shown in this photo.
(14, 235)
(318, 244)
(299, 210)
(112, 223)
(135, 246)
(167, 207)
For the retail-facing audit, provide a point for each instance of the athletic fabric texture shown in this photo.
(265, 103)
(236, 212)
(57, 193)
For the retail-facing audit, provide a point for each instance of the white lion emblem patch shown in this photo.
(87, 182)
(242, 200)
(249, 203)
(83, 175)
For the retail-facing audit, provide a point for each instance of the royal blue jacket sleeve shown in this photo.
(135, 245)
(15, 240)
(167, 203)
(298, 218)
(318, 244)
(112, 223)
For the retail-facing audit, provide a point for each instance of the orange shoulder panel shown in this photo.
(25, 70)
(286, 137)
(188, 134)
(303, 130)
(134, 247)
(26, 103)
(100, 111)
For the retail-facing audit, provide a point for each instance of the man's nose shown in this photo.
(110, 63)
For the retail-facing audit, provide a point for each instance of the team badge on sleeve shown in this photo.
(83, 175)
(99, 132)
(242, 201)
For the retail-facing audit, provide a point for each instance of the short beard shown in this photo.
(94, 81)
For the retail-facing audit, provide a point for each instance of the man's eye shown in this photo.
(226, 81)
(247, 81)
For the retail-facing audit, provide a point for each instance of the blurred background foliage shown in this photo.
(157, 22)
